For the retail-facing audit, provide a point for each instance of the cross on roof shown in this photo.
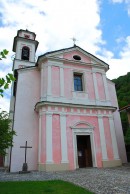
(74, 40)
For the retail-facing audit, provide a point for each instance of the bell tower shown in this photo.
(24, 46)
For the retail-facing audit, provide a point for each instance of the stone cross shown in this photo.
(25, 167)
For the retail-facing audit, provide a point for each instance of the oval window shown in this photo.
(76, 57)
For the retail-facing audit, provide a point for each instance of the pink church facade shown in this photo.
(65, 108)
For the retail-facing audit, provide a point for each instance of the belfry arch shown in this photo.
(25, 53)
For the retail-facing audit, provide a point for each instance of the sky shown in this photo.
(101, 27)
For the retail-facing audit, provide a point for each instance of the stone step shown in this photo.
(2, 169)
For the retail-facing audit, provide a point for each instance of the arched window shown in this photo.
(25, 53)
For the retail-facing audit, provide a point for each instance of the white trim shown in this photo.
(92, 57)
(77, 100)
(65, 60)
(76, 113)
(97, 70)
(52, 62)
(56, 64)
(83, 131)
(113, 138)
(72, 110)
(49, 83)
(64, 151)
(95, 86)
(72, 105)
(61, 81)
(102, 138)
(83, 74)
(39, 139)
(25, 68)
(105, 86)
(88, 126)
(49, 158)
(42, 73)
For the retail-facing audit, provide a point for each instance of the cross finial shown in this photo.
(74, 40)
(26, 27)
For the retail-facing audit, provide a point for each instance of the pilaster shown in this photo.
(102, 138)
(95, 86)
(61, 81)
(42, 76)
(113, 137)
(64, 153)
(49, 158)
(49, 86)
(40, 138)
(105, 86)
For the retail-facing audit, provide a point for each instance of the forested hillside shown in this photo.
(123, 89)
(122, 84)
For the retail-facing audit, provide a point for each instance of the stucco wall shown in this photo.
(26, 119)
(74, 116)
(117, 122)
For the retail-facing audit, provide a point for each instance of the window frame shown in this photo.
(81, 74)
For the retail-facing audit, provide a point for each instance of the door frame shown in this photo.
(84, 131)
(84, 147)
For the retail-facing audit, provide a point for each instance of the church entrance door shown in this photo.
(84, 151)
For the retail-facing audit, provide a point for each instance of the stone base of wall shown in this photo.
(111, 163)
(53, 167)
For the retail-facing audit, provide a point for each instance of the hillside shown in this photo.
(122, 85)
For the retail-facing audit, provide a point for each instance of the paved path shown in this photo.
(100, 181)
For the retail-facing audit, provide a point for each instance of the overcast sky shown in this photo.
(101, 27)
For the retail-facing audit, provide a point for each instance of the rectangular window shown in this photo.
(78, 82)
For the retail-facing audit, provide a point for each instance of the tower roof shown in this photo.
(25, 35)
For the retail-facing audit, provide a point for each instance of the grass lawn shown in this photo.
(41, 187)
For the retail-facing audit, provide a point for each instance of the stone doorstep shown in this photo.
(3, 169)
(24, 172)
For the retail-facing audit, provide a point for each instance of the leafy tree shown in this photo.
(122, 85)
(4, 82)
(6, 133)
(3, 54)
(127, 137)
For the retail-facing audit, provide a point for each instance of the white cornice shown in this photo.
(41, 104)
(21, 70)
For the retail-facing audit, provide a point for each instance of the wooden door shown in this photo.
(84, 151)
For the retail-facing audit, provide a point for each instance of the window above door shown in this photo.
(78, 82)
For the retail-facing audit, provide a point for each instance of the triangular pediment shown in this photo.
(71, 54)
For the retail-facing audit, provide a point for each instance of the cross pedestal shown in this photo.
(25, 165)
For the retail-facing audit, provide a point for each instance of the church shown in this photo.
(64, 108)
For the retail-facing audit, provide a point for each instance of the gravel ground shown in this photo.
(100, 181)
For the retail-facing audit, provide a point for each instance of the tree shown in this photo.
(127, 137)
(4, 82)
(6, 133)
(122, 84)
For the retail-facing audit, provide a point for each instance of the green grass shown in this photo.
(41, 187)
